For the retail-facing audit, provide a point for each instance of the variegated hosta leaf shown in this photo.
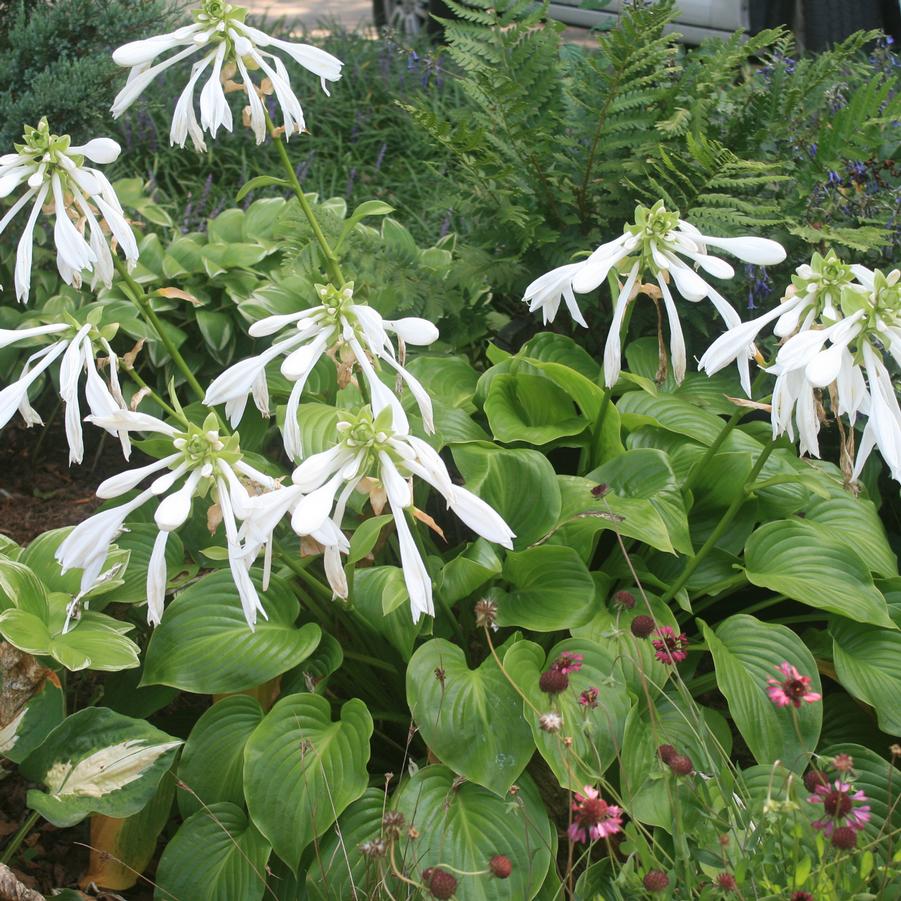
(98, 761)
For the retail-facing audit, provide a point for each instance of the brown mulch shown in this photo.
(39, 491)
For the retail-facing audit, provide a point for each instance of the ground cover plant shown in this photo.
(373, 606)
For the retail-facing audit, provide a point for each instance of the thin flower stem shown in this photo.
(726, 519)
(725, 431)
(331, 258)
(140, 298)
(136, 378)
(14, 843)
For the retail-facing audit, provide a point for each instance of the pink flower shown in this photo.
(670, 647)
(793, 689)
(589, 698)
(840, 808)
(568, 662)
(594, 817)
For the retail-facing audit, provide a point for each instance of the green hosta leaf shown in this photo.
(596, 733)
(98, 761)
(94, 641)
(261, 181)
(648, 785)
(29, 724)
(497, 476)
(301, 769)
(468, 571)
(746, 652)
(549, 347)
(853, 521)
(367, 208)
(647, 474)
(530, 408)
(551, 589)
(21, 589)
(381, 588)
(312, 674)
(472, 719)
(216, 854)
(466, 825)
(204, 644)
(138, 542)
(801, 561)
(339, 869)
(212, 762)
(451, 380)
(868, 665)
(670, 413)
(879, 781)
(635, 663)
(366, 535)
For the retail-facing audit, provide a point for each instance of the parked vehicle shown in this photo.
(818, 23)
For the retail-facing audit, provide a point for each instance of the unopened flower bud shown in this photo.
(681, 765)
(726, 881)
(655, 880)
(440, 883)
(624, 599)
(844, 763)
(667, 753)
(500, 866)
(813, 778)
(642, 626)
(553, 681)
(844, 838)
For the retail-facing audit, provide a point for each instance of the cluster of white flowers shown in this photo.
(652, 247)
(836, 322)
(230, 46)
(51, 168)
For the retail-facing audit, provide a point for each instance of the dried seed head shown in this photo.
(550, 722)
(801, 896)
(553, 681)
(500, 866)
(624, 599)
(439, 882)
(844, 838)
(392, 823)
(374, 849)
(642, 626)
(655, 880)
(486, 613)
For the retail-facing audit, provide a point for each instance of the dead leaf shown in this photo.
(13, 890)
(178, 294)
(750, 404)
(21, 678)
(425, 518)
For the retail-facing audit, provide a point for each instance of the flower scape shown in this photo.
(506, 566)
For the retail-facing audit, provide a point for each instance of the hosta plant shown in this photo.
(532, 625)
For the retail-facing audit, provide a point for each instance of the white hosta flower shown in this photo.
(348, 331)
(54, 172)
(229, 46)
(373, 446)
(662, 247)
(73, 346)
(204, 464)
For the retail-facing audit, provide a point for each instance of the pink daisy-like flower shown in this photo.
(842, 807)
(568, 662)
(670, 647)
(793, 689)
(593, 817)
(589, 698)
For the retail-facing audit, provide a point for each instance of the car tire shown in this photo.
(828, 21)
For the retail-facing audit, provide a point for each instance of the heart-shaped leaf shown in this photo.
(746, 653)
(216, 854)
(868, 665)
(802, 561)
(212, 762)
(98, 761)
(596, 732)
(465, 825)
(471, 719)
(301, 769)
(204, 644)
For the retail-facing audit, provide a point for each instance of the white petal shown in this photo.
(157, 579)
(22, 279)
(594, 270)
(98, 150)
(483, 519)
(125, 481)
(142, 78)
(312, 511)
(676, 339)
(416, 576)
(413, 330)
(613, 345)
(137, 53)
(174, 509)
(10, 336)
(13, 395)
(315, 470)
(396, 486)
(762, 251)
(269, 325)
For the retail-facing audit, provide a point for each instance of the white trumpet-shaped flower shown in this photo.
(229, 46)
(73, 345)
(205, 464)
(662, 247)
(373, 446)
(348, 331)
(82, 199)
